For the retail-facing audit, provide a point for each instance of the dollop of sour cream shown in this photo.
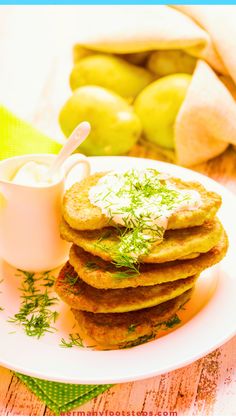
(141, 193)
(142, 201)
(32, 174)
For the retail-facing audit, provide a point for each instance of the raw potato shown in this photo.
(158, 105)
(112, 73)
(137, 58)
(115, 127)
(163, 63)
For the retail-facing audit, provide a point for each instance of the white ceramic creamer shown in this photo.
(30, 215)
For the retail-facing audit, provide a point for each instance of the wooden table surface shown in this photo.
(207, 386)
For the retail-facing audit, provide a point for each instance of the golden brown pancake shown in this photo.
(118, 330)
(175, 245)
(119, 307)
(81, 296)
(80, 214)
(101, 274)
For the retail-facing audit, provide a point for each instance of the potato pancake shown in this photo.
(81, 296)
(175, 245)
(101, 274)
(120, 330)
(80, 214)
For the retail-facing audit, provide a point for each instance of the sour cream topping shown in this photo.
(32, 174)
(142, 201)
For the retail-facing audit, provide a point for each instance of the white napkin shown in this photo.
(206, 122)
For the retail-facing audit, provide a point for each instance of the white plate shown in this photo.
(208, 321)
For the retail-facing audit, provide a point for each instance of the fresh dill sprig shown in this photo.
(71, 279)
(141, 202)
(169, 324)
(74, 340)
(129, 273)
(35, 314)
(138, 341)
(91, 266)
(132, 328)
(99, 243)
(105, 235)
(48, 279)
(123, 260)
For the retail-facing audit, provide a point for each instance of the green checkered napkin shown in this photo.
(17, 138)
(61, 397)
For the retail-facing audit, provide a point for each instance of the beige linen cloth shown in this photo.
(206, 122)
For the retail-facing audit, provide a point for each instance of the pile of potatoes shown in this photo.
(125, 97)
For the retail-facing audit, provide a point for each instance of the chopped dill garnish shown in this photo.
(74, 340)
(140, 202)
(92, 266)
(169, 324)
(125, 261)
(105, 235)
(35, 314)
(132, 328)
(101, 246)
(126, 274)
(71, 279)
(48, 279)
(138, 341)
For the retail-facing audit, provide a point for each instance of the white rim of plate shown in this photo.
(196, 338)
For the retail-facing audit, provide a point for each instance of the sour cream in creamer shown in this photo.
(32, 174)
(142, 201)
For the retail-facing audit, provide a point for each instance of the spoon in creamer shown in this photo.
(79, 134)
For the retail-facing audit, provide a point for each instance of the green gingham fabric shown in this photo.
(17, 138)
(59, 397)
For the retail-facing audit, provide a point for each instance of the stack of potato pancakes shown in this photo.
(120, 306)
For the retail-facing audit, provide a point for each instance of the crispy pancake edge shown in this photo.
(82, 296)
(104, 274)
(112, 330)
(176, 244)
